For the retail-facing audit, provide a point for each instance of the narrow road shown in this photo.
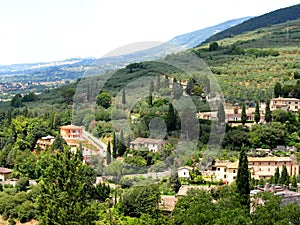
(96, 142)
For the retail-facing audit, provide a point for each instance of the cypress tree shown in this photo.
(294, 182)
(115, 144)
(284, 178)
(277, 90)
(123, 97)
(268, 115)
(244, 115)
(174, 180)
(121, 145)
(276, 176)
(242, 180)
(157, 84)
(221, 114)
(257, 113)
(108, 154)
(171, 119)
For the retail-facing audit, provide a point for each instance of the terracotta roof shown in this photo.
(5, 170)
(269, 159)
(168, 203)
(185, 188)
(70, 127)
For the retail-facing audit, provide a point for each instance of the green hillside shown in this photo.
(247, 66)
(265, 20)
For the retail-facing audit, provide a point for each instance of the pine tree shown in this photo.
(268, 115)
(221, 114)
(115, 144)
(108, 154)
(244, 115)
(242, 179)
(284, 178)
(62, 192)
(257, 113)
(276, 176)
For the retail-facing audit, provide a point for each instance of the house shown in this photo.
(226, 171)
(287, 104)
(152, 144)
(4, 173)
(71, 132)
(45, 142)
(265, 167)
(184, 172)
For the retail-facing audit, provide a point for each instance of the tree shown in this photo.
(123, 97)
(102, 192)
(244, 115)
(242, 180)
(257, 113)
(171, 119)
(115, 144)
(213, 46)
(294, 182)
(276, 176)
(59, 143)
(268, 115)
(108, 154)
(284, 178)
(141, 199)
(221, 114)
(277, 90)
(104, 99)
(62, 196)
(279, 115)
(174, 180)
(157, 88)
(22, 184)
(190, 87)
(16, 101)
(121, 145)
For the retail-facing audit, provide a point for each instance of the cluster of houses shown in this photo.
(235, 113)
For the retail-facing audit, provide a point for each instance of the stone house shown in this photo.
(152, 144)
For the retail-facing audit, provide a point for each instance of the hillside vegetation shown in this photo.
(247, 66)
(265, 20)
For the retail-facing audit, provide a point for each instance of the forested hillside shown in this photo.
(269, 19)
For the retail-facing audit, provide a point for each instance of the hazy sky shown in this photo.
(47, 30)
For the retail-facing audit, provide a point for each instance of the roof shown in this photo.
(168, 202)
(233, 165)
(185, 167)
(285, 99)
(142, 141)
(5, 170)
(185, 188)
(48, 137)
(71, 126)
(269, 159)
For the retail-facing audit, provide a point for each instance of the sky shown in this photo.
(49, 30)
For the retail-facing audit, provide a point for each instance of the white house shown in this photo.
(184, 172)
(153, 145)
(287, 104)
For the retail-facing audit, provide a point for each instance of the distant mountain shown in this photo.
(269, 19)
(195, 38)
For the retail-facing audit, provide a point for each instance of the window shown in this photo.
(275, 163)
(259, 163)
(269, 163)
(184, 173)
(234, 177)
(224, 176)
(233, 171)
(296, 107)
(224, 169)
(218, 169)
(269, 169)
